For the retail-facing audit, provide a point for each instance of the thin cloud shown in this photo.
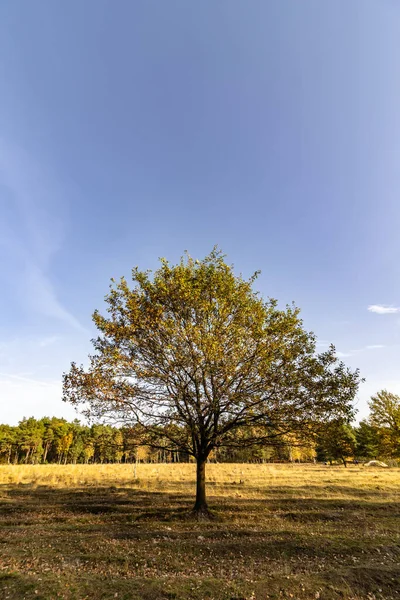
(45, 301)
(33, 232)
(375, 346)
(323, 344)
(48, 341)
(8, 376)
(383, 309)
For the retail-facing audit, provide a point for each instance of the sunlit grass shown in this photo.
(252, 479)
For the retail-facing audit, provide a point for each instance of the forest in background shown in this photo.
(55, 440)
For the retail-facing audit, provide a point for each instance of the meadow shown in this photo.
(280, 531)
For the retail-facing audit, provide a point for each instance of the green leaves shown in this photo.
(385, 417)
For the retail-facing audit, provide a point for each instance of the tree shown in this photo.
(300, 450)
(337, 441)
(193, 350)
(88, 447)
(118, 441)
(385, 416)
(367, 440)
(77, 445)
(48, 437)
(8, 438)
(31, 434)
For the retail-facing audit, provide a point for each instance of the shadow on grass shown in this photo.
(150, 505)
(344, 543)
(19, 585)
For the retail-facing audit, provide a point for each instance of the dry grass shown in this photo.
(282, 531)
(255, 478)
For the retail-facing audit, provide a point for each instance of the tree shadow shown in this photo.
(337, 539)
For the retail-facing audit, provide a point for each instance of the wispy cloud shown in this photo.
(355, 351)
(48, 341)
(44, 298)
(8, 376)
(326, 344)
(323, 344)
(31, 231)
(383, 309)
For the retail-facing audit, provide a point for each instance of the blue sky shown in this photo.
(131, 130)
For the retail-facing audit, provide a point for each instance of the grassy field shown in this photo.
(281, 531)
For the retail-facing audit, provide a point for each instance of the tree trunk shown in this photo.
(200, 508)
(46, 449)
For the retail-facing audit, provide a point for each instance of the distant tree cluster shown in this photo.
(378, 436)
(56, 440)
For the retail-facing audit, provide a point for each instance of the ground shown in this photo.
(281, 531)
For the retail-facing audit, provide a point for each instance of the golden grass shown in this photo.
(252, 480)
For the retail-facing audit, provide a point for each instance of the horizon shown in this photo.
(129, 133)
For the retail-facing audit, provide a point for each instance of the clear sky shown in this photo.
(136, 129)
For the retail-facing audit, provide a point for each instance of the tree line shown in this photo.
(54, 440)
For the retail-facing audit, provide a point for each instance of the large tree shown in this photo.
(199, 358)
(385, 416)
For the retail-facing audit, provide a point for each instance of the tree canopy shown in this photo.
(385, 415)
(337, 441)
(193, 351)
